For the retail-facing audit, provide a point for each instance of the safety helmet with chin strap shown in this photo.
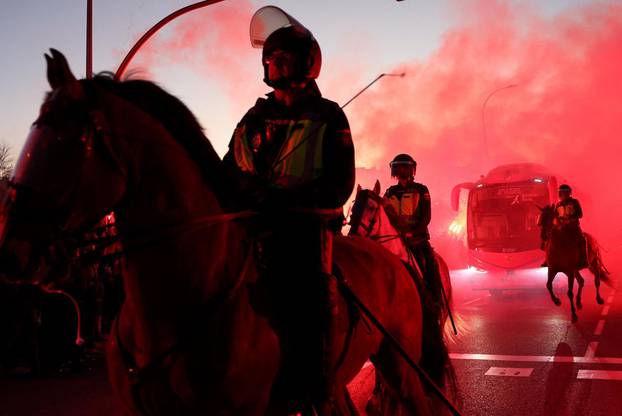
(400, 160)
(286, 43)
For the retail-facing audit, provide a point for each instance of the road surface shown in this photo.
(518, 354)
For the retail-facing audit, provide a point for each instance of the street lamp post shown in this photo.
(485, 132)
(402, 74)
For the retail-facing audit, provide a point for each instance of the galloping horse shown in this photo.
(562, 255)
(188, 339)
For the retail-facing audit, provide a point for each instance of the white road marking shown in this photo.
(605, 311)
(599, 327)
(509, 371)
(471, 301)
(591, 349)
(537, 358)
(599, 375)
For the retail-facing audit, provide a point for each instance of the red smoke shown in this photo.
(564, 113)
(214, 43)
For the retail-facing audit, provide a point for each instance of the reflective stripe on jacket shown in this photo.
(406, 206)
(300, 159)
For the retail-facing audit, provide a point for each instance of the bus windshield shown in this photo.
(504, 217)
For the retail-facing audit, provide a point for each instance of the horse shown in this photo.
(188, 339)
(562, 255)
(369, 219)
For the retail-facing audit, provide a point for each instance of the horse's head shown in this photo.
(366, 211)
(546, 221)
(66, 178)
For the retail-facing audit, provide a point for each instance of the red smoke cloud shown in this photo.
(564, 113)
(214, 43)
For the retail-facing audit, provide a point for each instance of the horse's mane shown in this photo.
(178, 120)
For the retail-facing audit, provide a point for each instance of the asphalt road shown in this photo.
(520, 354)
(517, 354)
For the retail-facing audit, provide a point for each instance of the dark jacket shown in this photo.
(269, 127)
(569, 211)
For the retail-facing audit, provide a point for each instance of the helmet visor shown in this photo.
(397, 163)
(267, 20)
(402, 169)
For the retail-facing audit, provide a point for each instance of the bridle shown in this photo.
(375, 215)
(358, 213)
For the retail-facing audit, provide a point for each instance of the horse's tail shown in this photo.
(435, 359)
(595, 259)
(445, 278)
(459, 322)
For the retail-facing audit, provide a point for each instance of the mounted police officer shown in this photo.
(410, 210)
(293, 155)
(568, 212)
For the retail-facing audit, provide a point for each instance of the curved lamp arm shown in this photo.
(128, 58)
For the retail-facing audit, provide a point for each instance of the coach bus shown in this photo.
(499, 214)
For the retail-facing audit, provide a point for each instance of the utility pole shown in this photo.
(89, 38)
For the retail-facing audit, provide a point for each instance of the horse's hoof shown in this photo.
(599, 300)
(557, 301)
(579, 304)
(575, 319)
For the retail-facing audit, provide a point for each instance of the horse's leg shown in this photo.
(596, 273)
(344, 405)
(404, 393)
(571, 277)
(581, 282)
(549, 286)
(374, 405)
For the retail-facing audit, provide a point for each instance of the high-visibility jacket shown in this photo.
(413, 205)
(303, 152)
(299, 159)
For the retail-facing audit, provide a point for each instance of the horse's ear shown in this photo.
(358, 188)
(60, 75)
(377, 187)
(539, 208)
